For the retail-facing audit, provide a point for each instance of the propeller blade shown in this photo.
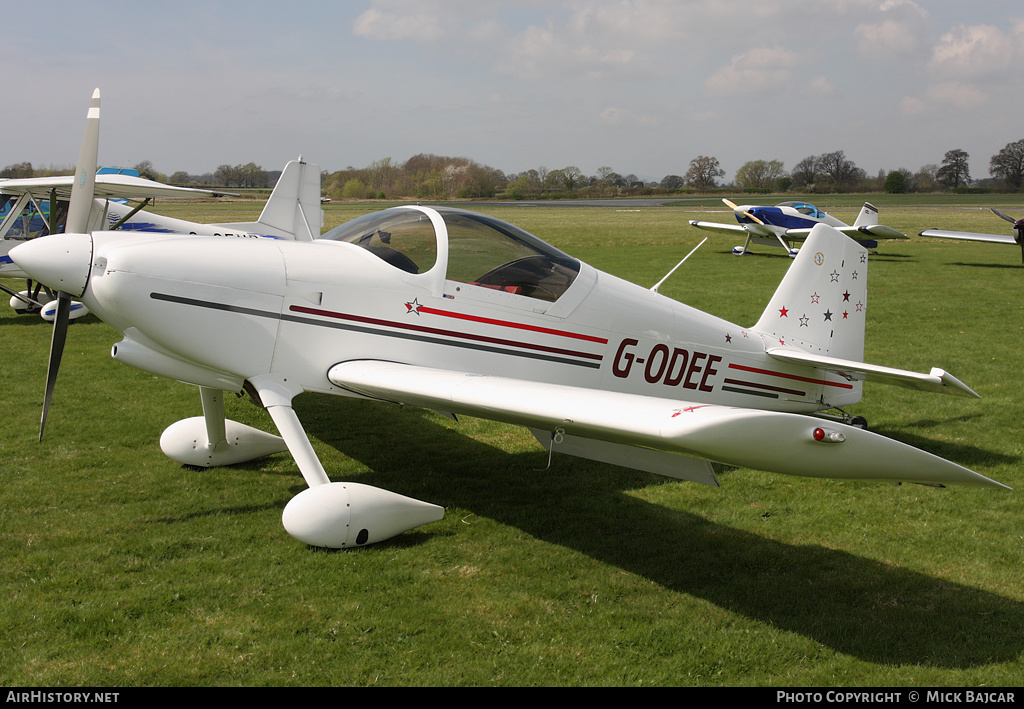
(83, 190)
(84, 186)
(59, 337)
(1000, 214)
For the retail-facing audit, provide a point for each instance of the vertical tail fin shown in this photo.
(293, 210)
(820, 305)
(294, 205)
(868, 215)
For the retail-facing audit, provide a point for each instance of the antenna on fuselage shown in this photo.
(654, 288)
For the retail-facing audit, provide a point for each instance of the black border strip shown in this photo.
(180, 300)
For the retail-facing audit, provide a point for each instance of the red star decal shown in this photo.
(784, 313)
(689, 409)
(846, 295)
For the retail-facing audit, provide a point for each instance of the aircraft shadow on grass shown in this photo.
(1006, 266)
(847, 602)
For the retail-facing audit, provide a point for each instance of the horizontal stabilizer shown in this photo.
(937, 380)
(857, 233)
(877, 231)
(763, 440)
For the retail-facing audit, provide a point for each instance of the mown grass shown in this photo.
(124, 568)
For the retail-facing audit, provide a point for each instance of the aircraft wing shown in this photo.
(877, 231)
(938, 380)
(764, 440)
(969, 236)
(719, 227)
(108, 186)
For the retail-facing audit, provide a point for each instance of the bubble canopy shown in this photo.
(471, 248)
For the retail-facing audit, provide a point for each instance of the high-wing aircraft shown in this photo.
(1016, 238)
(466, 314)
(292, 212)
(790, 223)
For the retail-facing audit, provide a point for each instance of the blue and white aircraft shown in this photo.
(790, 223)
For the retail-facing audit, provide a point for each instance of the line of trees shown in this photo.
(427, 176)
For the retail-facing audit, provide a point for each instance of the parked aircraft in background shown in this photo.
(790, 223)
(460, 312)
(292, 212)
(1016, 238)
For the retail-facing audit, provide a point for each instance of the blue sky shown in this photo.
(641, 86)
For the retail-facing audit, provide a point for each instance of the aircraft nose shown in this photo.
(60, 261)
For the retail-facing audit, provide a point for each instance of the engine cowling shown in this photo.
(342, 515)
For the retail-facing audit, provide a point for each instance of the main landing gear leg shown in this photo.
(336, 515)
(212, 440)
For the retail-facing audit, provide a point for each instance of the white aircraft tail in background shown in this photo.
(868, 216)
(293, 210)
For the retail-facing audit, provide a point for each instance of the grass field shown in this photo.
(121, 567)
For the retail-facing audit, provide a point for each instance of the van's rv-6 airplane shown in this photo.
(465, 314)
(38, 206)
(790, 223)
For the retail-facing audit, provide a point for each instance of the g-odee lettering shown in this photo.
(671, 367)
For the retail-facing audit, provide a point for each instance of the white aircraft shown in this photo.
(292, 212)
(1017, 237)
(791, 223)
(466, 314)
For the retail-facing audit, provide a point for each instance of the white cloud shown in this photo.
(901, 30)
(755, 70)
(381, 24)
(617, 116)
(913, 106)
(974, 51)
(957, 94)
(426, 21)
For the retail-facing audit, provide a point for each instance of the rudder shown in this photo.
(821, 303)
(293, 210)
(868, 215)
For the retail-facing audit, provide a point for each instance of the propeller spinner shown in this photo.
(741, 212)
